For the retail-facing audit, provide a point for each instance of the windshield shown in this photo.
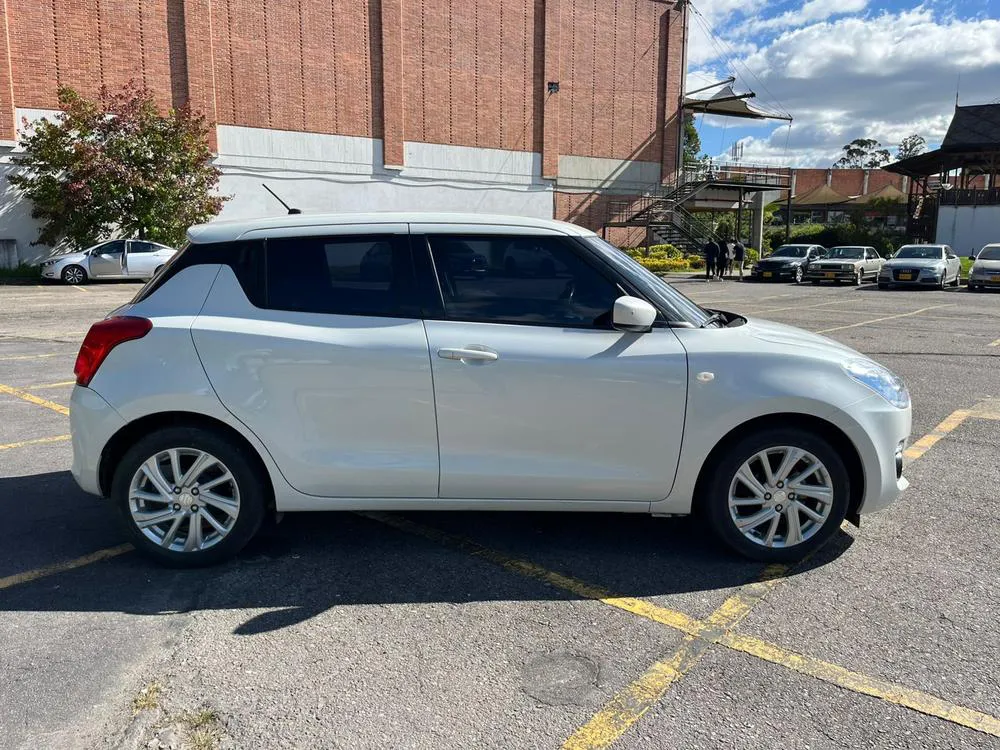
(990, 253)
(791, 251)
(924, 252)
(847, 253)
(660, 293)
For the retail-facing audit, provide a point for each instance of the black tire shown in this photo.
(243, 466)
(715, 502)
(944, 283)
(860, 278)
(157, 271)
(958, 280)
(74, 275)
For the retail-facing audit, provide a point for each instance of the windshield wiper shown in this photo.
(714, 318)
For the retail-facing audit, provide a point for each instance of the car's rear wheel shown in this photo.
(778, 494)
(188, 496)
(74, 275)
(958, 279)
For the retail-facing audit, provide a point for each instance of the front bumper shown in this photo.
(93, 422)
(773, 274)
(880, 433)
(50, 272)
(916, 279)
(991, 281)
(841, 274)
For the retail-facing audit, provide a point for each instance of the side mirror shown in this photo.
(972, 258)
(633, 314)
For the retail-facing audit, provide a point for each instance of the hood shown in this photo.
(66, 257)
(769, 332)
(986, 265)
(913, 262)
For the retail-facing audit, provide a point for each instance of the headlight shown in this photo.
(880, 379)
(48, 263)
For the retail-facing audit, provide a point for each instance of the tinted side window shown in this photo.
(138, 246)
(344, 275)
(111, 248)
(245, 257)
(519, 279)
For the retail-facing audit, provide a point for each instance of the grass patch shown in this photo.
(148, 698)
(204, 729)
(966, 267)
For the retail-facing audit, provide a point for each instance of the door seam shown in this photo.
(437, 430)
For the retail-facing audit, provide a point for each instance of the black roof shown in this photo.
(972, 141)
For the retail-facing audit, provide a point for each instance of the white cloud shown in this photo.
(810, 12)
(883, 76)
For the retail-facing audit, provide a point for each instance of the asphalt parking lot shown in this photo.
(460, 630)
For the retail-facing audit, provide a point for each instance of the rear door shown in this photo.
(538, 397)
(140, 259)
(330, 367)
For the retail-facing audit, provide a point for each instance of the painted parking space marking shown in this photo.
(23, 357)
(928, 441)
(36, 441)
(46, 386)
(61, 567)
(879, 320)
(995, 343)
(31, 398)
(797, 307)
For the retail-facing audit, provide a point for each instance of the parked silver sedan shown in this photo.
(985, 271)
(853, 264)
(115, 259)
(921, 265)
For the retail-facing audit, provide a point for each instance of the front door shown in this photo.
(106, 260)
(537, 396)
(329, 368)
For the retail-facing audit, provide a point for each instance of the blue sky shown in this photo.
(844, 69)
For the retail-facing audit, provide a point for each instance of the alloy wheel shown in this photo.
(184, 500)
(861, 277)
(781, 497)
(798, 274)
(73, 275)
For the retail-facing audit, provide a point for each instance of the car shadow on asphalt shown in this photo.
(312, 562)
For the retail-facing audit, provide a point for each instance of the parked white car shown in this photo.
(264, 371)
(114, 259)
(985, 271)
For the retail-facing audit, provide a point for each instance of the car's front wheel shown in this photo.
(798, 274)
(188, 496)
(74, 275)
(859, 278)
(777, 494)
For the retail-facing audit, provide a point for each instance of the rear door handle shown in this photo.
(469, 354)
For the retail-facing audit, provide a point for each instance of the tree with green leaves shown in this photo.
(116, 165)
(863, 153)
(692, 141)
(912, 145)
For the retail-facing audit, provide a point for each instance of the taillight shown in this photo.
(102, 338)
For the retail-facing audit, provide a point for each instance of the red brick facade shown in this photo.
(459, 72)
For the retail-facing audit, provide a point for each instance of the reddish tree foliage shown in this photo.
(117, 166)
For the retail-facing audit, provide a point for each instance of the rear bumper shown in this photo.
(93, 421)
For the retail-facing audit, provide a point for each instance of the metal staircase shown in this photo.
(661, 210)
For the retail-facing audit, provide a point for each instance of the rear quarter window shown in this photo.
(245, 257)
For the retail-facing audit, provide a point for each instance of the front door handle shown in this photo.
(469, 354)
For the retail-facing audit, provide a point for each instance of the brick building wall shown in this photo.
(373, 101)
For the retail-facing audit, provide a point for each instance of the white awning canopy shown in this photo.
(727, 103)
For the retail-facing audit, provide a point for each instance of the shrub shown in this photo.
(696, 262)
(22, 271)
(665, 265)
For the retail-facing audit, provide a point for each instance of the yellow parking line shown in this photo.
(81, 289)
(36, 441)
(24, 395)
(62, 567)
(887, 317)
(929, 440)
(995, 343)
(857, 682)
(49, 385)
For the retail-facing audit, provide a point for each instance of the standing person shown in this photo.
(720, 264)
(711, 251)
(739, 254)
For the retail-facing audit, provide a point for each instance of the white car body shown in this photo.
(353, 412)
(985, 271)
(114, 259)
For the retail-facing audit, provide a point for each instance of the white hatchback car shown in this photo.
(114, 259)
(309, 363)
